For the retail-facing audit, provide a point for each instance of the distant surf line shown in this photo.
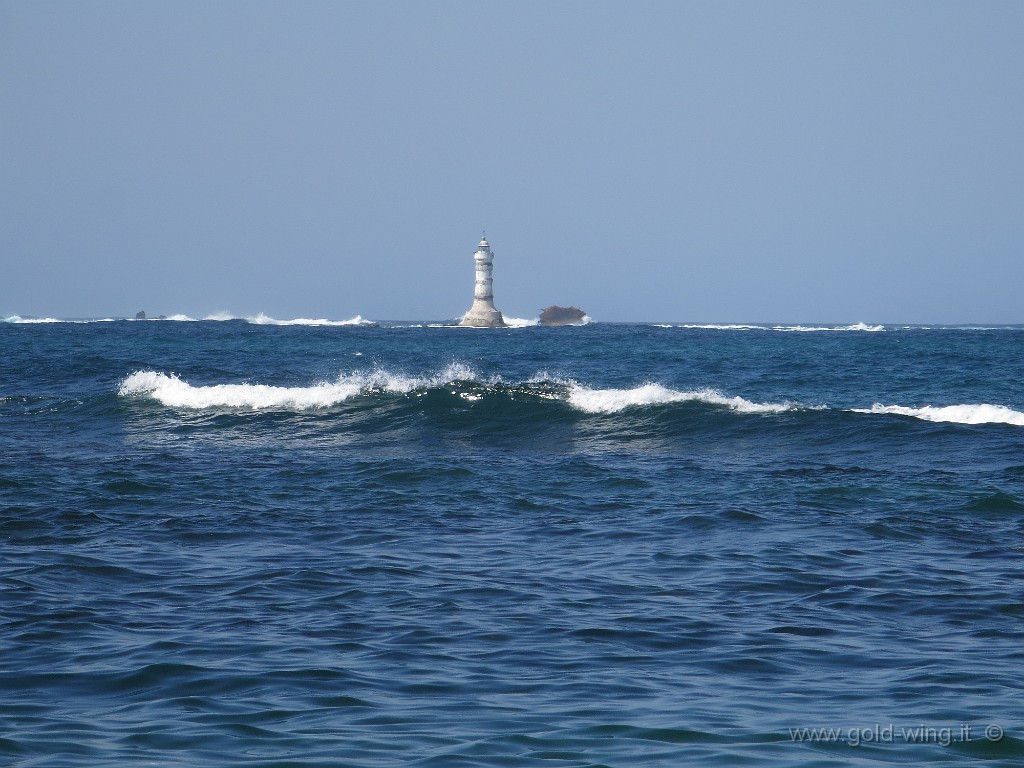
(261, 318)
(863, 327)
(257, 319)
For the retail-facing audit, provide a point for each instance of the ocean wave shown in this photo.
(518, 322)
(17, 320)
(258, 319)
(786, 328)
(28, 320)
(974, 328)
(614, 400)
(510, 322)
(262, 319)
(170, 390)
(461, 380)
(981, 413)
(855, 327)
(721, 327)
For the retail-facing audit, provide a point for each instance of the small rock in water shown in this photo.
(555, 315)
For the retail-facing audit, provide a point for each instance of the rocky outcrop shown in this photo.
(555, 315)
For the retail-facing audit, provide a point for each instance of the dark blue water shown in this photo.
(226, 543)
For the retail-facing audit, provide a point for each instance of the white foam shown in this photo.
(173, 392)
(31, 320)
(724, 327)
(981, 413)
(262, 319)
(614, 400)
(518, 322)
(855, 327)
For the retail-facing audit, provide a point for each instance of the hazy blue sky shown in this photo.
(664, 161)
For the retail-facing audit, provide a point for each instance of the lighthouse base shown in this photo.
(483, 317)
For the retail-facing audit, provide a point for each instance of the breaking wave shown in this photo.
(17, 320)
(510, 322)
(513, 322)
(855, 327)
(173, 392)
(518, 322)
(459, 379)
(262, 319)
(614, 400)
(981, 413)
(721, 327)
(28, 320)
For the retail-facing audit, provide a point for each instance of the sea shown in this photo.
(263, 543)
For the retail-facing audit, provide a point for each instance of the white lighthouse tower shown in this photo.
(483, 313)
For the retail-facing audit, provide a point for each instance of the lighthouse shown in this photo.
(483, 313)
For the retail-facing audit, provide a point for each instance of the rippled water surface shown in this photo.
(239, 543)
